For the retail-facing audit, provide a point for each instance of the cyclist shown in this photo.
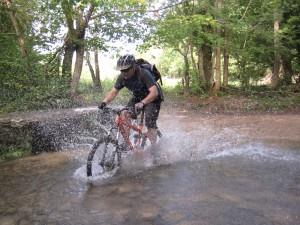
(146, 92)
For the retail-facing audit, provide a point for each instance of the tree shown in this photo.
(95, 73)
(184, 29)
(290, 36)
(18, 21)
(78, 14)
(276, 67)
(217, 86)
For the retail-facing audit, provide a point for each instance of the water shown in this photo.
(206, 170)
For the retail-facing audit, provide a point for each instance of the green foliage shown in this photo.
(13, 153)
(176, 28)
(196, 87)
(190, 25)
(22, 95)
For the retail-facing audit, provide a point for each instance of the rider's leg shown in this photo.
(151, 115)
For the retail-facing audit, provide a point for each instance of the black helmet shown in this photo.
(125, 62)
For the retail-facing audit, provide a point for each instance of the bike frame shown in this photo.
(122, 124)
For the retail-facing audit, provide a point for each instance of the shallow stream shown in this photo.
(207, 169)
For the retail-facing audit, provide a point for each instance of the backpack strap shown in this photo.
(141, 78)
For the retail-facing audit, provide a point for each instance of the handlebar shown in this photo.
(120, 110)
(131, 110)
(116, 111)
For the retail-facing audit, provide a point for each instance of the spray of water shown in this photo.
(179, 143)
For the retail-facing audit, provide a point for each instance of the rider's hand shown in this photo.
(139, 106)
(102, 105)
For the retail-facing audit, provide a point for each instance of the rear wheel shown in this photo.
(103, 157)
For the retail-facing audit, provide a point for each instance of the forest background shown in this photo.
(229, 55)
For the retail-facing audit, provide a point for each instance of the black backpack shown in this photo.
(152, 68)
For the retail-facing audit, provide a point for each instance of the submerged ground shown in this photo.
(212, 169)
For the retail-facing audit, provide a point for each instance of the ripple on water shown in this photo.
(257, 151)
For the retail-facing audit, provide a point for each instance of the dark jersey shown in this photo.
(138, 84)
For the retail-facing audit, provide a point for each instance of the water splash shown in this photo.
(98, 174)
(207, 143)
(189, 141)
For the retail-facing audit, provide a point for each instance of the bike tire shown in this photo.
(103, 151)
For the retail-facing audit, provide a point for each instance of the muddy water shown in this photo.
(212, 170)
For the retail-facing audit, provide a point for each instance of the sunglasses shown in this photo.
(126, 70)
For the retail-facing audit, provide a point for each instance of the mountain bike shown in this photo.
(106, 153)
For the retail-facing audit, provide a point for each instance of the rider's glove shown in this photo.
(139, 106)
(102, 105)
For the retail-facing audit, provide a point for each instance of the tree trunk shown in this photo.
(98, 84)
(91, 68)
(200, 65)
(226, 60)
(242, 74)
(75, 41)
(95, 76)
(207, 64)
(276, 66)
(186, 74)
(217, 86)
(67, 62)
(225, 68)
(287, 70)
(195, 67)
(77, 69)
(218, 69)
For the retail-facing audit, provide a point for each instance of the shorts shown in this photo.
(151, 111)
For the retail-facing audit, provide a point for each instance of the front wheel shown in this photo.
(103, 157)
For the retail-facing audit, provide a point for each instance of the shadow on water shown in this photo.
(202, 172)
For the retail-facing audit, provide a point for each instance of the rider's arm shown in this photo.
(111, 95)
(153, 93)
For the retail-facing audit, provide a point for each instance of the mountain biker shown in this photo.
(146, 92)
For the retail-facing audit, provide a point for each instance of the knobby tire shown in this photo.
(101, 147)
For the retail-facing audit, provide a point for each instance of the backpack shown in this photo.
(151, 67)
